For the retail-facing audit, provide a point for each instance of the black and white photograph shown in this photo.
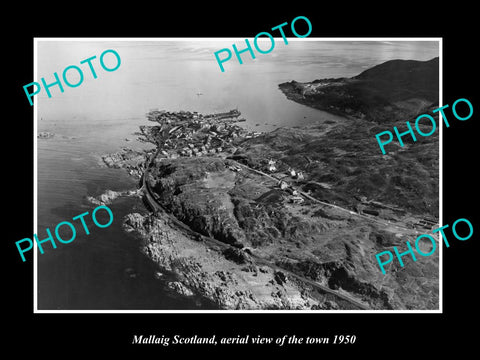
(262, 187)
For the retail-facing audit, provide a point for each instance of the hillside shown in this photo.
(394, 90)
(293, 218)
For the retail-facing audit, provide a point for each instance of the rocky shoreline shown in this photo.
(109, 196)
(270, 244)
(293, 218)
(201, 270)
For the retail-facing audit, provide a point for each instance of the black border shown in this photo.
(91, 333)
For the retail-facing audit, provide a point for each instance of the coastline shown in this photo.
(292, 218)
(238, 262)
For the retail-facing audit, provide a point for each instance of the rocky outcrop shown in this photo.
(45, 135)
(131, 160)
(314, 241)
(205, 272)
(109, 195)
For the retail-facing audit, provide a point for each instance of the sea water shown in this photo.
(105, 270)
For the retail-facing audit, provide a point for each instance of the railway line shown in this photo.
(307, 196)
(216, 244)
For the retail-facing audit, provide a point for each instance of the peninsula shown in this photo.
(293, 218)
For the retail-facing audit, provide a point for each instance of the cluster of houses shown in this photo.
(294, 196)
(190, 134)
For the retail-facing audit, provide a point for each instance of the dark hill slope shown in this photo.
(394, 90)
(401, 79)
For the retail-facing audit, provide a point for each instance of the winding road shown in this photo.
(214, 243)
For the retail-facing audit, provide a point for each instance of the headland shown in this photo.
(293, 218)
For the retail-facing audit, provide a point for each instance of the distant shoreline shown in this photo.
(394, 90)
